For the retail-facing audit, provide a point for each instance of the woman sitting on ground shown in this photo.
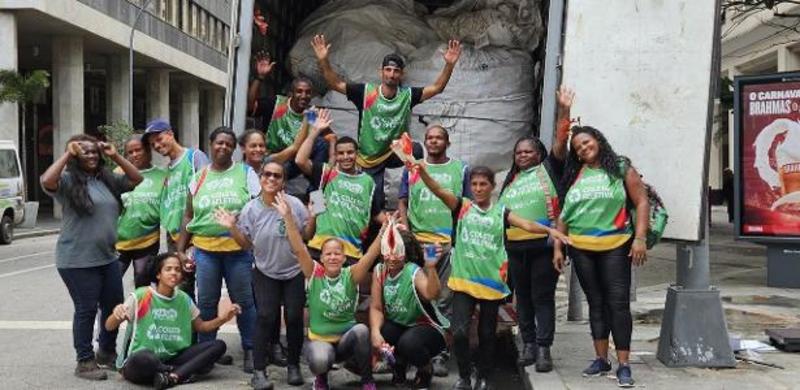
(162, 319)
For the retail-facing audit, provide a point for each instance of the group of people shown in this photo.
(448, 248)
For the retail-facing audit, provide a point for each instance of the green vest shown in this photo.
(401, 301)
(480, 262)
(284, 125)
(331, 304)
(595, 213)
(213, 190)
(161, 325)
(430, 219)
(348, 201)
(138, 224)
(525, 197)
(382, 121)
(174, 202)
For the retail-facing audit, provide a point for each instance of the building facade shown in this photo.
(180, 62)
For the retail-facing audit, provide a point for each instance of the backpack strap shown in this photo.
(201, 180)
(548, 198)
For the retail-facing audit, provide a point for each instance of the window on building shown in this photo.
(8, 164)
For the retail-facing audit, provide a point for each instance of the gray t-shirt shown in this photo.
(264, 227)
(88, 240)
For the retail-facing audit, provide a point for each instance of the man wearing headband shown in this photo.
(384, 109)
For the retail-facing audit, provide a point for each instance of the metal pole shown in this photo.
(130, 61)
(242, 65)
(552, 70)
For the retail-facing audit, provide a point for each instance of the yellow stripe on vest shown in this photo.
(138, 243)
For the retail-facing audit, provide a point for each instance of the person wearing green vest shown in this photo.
(429, 218)
(161, 320)
(350, 204)
(384, 109)
(138, 226)
(480, 266)
(223, 184)
(402, 318)
(596, 215)
(332, 296)
(531, 189)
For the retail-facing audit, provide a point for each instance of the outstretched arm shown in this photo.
(450, 59)
(449, 199)
(198, 325)
(535, 227)
(321, 50)
(564, 97)
(263, 69)
(303, 157)
(360, 270)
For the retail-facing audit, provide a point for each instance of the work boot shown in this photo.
(528, 355)
(260, 381)
(277, 356)
(293, 375)
(107, 360)
(88, 369)
(247, 364)
(544, 363)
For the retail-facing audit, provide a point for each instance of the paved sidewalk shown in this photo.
(45, 226)
(738, 270)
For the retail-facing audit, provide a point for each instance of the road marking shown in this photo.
(67, 325)
(24, 271)
(25, 256)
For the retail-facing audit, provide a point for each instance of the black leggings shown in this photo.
(139, 258)
(414, 345)
(142, 366)
(606, 280)
(463, 306)
(534, 281)
(269, 294)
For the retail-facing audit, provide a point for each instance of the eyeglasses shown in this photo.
(269, 174)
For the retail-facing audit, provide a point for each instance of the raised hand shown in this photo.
(324, 119)
(281, 206)
(260, 22)
(263, 64)
(225, 218)
(321, 47)
(453, 52)
(74, 148)
(108, 148)
(565, 97)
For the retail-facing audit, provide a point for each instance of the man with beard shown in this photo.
(384, 109)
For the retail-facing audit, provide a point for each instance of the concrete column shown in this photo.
(185, 21)
(157, 94)
(119, 88)
(788, 60)
(189, 133)
(67, 93)
(9, 112)
(216, 106)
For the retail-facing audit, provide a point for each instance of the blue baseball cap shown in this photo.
(155, 126)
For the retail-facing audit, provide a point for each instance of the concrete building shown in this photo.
(180, 64)
(755, 43)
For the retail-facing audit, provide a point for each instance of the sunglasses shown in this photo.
(269, 174)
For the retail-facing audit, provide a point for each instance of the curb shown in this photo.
(36, 233)
(536, 380)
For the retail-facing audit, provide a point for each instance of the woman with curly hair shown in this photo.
(89, 194)
(604, 240)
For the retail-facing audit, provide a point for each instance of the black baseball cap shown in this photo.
(395, 60)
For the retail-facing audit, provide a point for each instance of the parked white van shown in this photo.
(12, 191)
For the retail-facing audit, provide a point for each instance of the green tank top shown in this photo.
(382, 121)
(213, 190)
(526, 198)
(401, 301)
(431, 221)
(284, 125)
(138, 225)
(331, 304)
(595, 213)
(480, 262)
(161, 325)
(176, 188)
(348, 201)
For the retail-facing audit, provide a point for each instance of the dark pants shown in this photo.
(463, 307)
(414, 345)
(606, 280)
(139, 258)
(534, 281)
(270, 294)
(142, 367)
(378, 172)
(89, 289)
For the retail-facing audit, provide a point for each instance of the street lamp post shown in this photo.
(130, 61)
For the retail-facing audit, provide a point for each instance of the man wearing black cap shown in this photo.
(384, 109)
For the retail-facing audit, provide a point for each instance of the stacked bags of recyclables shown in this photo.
(489, 102)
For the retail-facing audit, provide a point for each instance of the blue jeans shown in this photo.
(89, 289)
(235, 267)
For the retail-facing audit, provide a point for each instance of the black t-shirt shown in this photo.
(316, 179)
(355, 94)
(263, 110)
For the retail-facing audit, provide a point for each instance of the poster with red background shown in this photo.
(769, 120)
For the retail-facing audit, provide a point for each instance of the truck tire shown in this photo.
(6, 230)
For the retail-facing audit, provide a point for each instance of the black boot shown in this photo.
(247, 363)
(261, 381)
(294, 377)
(544, 363)
(528, 355)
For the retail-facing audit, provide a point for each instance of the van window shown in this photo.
(8, 164)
